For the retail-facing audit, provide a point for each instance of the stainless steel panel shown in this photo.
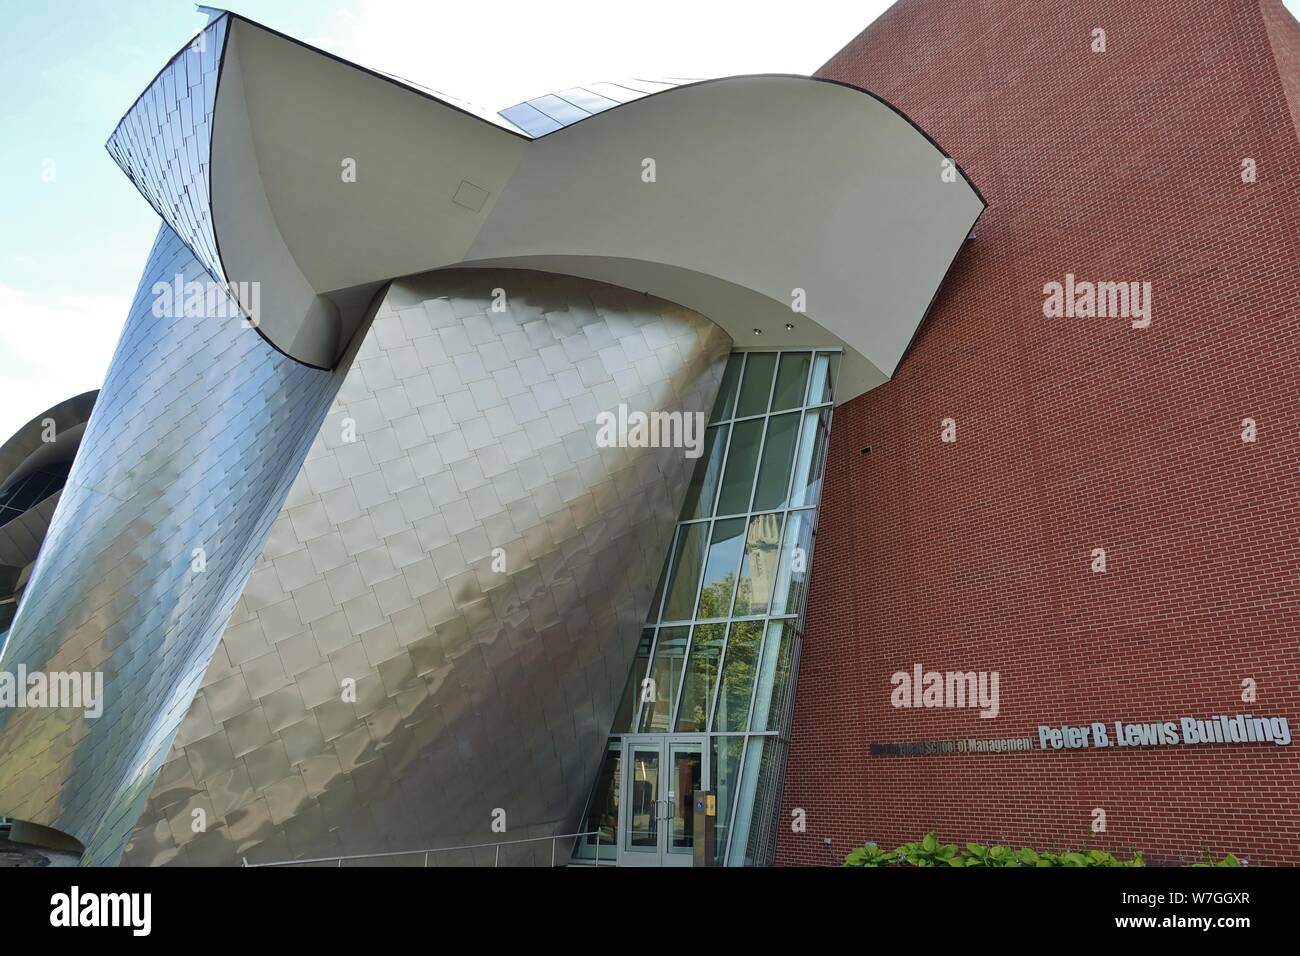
(163, 142)
(195, 439)
(475, 688)
(545, 114)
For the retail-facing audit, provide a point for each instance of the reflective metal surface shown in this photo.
(164, 141)
(196, 436)
(545, 114)
(470, 560)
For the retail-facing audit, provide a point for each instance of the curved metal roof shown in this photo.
(28, 441)
(809, 210)
(23, 454)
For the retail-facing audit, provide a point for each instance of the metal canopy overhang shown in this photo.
(763, 185)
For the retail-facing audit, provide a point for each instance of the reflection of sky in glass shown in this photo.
(738, 479)
(685, 577)
(720, 568)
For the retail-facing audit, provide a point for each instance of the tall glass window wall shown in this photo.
(719, 651)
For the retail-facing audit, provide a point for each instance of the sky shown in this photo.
(74, 233)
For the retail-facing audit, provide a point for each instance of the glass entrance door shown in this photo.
(658, 822)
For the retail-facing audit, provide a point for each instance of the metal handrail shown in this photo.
(441, 849)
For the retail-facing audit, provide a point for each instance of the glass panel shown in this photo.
(602, 811)
(704, 480)
(821, 379)
(757, 387)
(758, 572)
(659, 697)
(728, 678)
(732, 710)
(657, 602)
(28, 491)
(738, 479)
(774, 473)
(720, 569)
(773, 677)
(687, 769)
(701, 677)
(643, 801)
(811, 463)
(684, 579)
(627, 704)
(796, 553)
(791, 377)
(726, 400)
(745, 806)
(761, 850)
(725, 769)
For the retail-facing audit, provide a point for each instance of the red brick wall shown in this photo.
(1074, 434)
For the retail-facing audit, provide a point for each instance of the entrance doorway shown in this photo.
(656, 817)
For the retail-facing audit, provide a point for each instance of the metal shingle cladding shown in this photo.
(545, 114)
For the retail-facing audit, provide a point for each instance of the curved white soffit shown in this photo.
(763, 185)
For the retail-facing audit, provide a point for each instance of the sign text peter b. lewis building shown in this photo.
(1241, 729)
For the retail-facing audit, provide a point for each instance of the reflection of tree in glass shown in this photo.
(701, 676)
(715, 600)
(695, 710)
(738, 675)
(745, 595)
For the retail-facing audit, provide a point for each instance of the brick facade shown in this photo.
(1075, 434)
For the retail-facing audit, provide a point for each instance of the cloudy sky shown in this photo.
(73, 244)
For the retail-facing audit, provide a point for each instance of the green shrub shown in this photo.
(980, 855)
(928, 851)
(869, 855)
